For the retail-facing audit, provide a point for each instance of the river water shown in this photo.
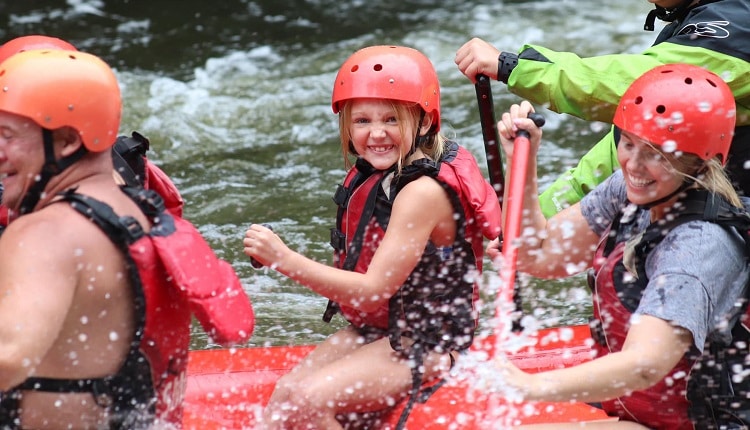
(235, 97)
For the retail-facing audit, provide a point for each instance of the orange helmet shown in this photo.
(680, 106)
(389, 72)
(56, 88)
(31, 42)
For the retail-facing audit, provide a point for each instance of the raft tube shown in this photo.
(228, 388)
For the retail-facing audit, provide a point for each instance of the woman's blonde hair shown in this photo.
(408, 115)
(709, 174)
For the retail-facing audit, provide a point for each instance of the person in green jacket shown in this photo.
(714, 34)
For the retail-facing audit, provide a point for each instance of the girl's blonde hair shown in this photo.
(408, 115)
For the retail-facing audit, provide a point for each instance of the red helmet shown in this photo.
(30, 42)
(56, 88)
(389, 72)
(682, 106)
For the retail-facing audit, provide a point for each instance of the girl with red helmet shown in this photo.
(413, 211)
(665, 294)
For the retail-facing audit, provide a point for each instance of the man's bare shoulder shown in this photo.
(56, 225)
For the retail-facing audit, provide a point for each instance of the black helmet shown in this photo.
(668, 15)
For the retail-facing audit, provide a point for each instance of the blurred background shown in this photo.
(235, 98)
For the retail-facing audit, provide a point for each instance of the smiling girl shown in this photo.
(413, 211)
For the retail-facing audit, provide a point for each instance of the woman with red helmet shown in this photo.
(664, 237)
(408, 245)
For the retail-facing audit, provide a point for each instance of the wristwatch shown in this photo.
(506, 62)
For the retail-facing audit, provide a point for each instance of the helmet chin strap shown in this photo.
(687, 183)
(418, 140)
(51, 168)
(667, 15)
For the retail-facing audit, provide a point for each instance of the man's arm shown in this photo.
(590, 88)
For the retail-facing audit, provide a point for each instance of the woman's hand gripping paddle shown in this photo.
(512, 227)
(509, 290)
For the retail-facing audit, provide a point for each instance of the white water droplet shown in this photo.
(669, 146)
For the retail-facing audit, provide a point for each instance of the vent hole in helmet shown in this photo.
(638, 100)
(689, 81)
(712, 83)
(355, 68)
(661, 109)
(377, 67)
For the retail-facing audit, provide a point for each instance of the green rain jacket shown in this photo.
(714, 34)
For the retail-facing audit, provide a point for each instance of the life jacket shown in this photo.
(174, 274)
(130, 161)
(435, 307)
(716, 394)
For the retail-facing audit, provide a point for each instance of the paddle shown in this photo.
(509, 292)
(512, 227)
(490, 136)
(497, 179)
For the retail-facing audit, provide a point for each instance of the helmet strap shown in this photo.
(418, 139)
(50, 168)
(685, 184)
(667, 15)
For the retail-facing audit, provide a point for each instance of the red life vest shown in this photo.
(435, 307)
(701, 392)
(174, 274)
(364, 212)
(662, 406)
(131, 163)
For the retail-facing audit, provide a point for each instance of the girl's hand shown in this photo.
(264, 246)
(514, 120)
(495, 252)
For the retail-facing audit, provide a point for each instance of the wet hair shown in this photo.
(709, 174)
(407, 114)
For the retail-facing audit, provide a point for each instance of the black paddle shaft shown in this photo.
(490, 136)
(489, 133)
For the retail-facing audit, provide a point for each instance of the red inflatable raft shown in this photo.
(227, 388)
